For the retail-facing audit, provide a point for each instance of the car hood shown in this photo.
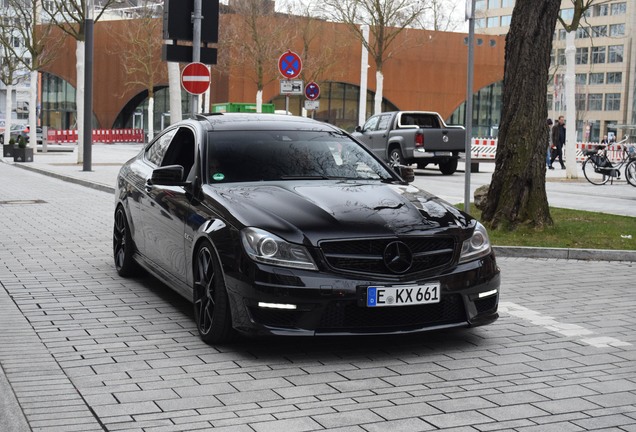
(310, 211)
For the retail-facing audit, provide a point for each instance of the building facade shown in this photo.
(605, 63)
(427, 72)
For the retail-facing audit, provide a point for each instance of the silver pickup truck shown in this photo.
(408, 137)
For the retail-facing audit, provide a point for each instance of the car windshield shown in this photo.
(244, 156)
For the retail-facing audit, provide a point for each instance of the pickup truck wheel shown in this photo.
(448, 168)
(395, 157)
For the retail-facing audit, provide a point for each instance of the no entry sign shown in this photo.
(195, 78)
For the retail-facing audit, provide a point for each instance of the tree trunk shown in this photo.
(569, 151)
(259, 101)
(517, 192)
(151, 118)
(379, 88)
(79, 100)
(174, 78)
(33, 91)
(8, 119)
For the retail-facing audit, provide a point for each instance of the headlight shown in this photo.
(477, 246)
(267, 248)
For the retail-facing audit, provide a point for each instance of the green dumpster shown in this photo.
(240, 107)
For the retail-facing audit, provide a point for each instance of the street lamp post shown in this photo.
(88, 84)
(470, 16)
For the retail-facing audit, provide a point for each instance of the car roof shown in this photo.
(252, 121)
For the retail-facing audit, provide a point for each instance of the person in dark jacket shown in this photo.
(549, 152)
(558, 141)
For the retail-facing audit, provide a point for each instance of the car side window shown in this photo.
(371, 124)
(384, 121)
(181, 150)
(154, 154)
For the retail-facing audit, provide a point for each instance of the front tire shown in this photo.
(589, 171)
(211, 305)
(448, 168)
(123, 247)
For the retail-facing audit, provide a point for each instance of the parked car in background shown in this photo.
(282, 225)
(408, 137)
(24, 131)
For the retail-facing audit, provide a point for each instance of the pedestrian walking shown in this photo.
(549, 151)
(558, 141)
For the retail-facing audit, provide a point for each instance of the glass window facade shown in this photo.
(619, 8)
(599, 31)
(507, 3)
(494, 4)
(617, 30)
(338, 104)
(581, 56)
(598, 55)
(614, 78)
(595, 102)
(486, 111)
(597, 78)
(493, 21)
(580, 101)
(615, 54)
(612, 102)
(58, 103)
(581, 79)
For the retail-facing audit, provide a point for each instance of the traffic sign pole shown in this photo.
(196, 49)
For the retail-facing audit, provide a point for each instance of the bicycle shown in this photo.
(598, 169)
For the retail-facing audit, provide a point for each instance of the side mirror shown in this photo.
(358, 128)
(406, 172)
(171, 175)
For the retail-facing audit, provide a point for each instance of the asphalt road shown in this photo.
(83, 349)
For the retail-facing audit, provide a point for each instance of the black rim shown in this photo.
(204, 290)
(119, 238)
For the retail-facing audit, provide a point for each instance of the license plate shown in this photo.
(403, 295)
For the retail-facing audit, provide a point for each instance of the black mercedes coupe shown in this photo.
(283, 225)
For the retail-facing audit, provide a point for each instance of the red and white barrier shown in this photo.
(485, 149)
(104, 136)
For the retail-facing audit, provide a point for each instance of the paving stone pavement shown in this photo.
(85, 350)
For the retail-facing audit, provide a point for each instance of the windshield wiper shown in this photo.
(300, 177)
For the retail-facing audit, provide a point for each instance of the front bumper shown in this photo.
(330, 304)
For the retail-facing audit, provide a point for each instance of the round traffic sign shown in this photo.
(290, 65)
(312, 91)
(195, 78)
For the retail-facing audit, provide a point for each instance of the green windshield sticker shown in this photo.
(218, 176)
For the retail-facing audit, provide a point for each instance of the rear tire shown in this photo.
(396, 158)
(630, 173)
(211, 305)
(123, 247)
(589, 171)
(448, 168)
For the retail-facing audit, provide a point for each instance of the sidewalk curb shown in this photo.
(564, 253)
(501, 251)
(82, 182)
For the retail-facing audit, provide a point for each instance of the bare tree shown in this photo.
(142, 66)
(386, 20)
(70, 16)
(9, 65)
(439, 16)
(34, 50)
(254, 41)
